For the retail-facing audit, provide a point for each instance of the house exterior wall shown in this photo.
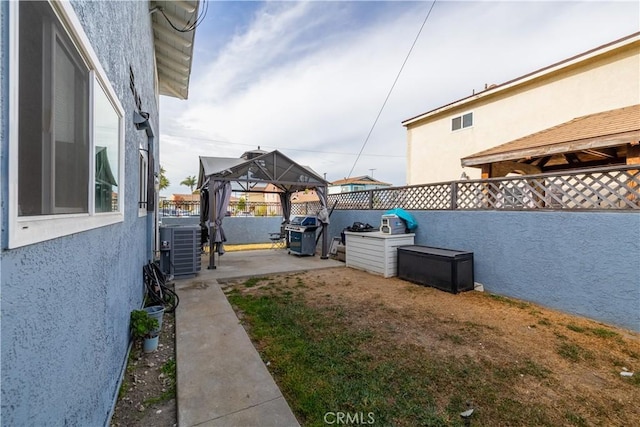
(347, 188)
(66, 302)
(543, 257)
(599, 83)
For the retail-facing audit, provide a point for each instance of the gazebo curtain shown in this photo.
(222, 196)
(204, 216)
(285, 202)
(323, 213)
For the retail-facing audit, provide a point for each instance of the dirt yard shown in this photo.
(582, 367)
(147, 393)
(582, 359)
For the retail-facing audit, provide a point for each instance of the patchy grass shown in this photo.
(544, 322)
(254, 281)
(394, 354)
(573, 352)
(125, 386)
(576, 328)
(598, 331)
(604, 333)
(576, 420)
(634, 380)
(168, 373)
(323, 363)
(512, 302)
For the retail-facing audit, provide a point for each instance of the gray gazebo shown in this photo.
(219, 176)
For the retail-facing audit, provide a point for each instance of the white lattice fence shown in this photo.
(615, 188)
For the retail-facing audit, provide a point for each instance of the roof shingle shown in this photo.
(604, 126)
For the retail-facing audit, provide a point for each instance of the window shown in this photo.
(461, 122)
(66, 125)
(107, 153)
(53, 118)
(143, 171)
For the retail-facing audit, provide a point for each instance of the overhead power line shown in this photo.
(220, 141)
(391, 90)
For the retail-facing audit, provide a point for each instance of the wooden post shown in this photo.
(454, 195)
(486, 174)
(486, 171)
(633, 158)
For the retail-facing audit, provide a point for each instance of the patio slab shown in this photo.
(221, 379)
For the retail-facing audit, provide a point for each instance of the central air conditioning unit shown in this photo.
(180, 250)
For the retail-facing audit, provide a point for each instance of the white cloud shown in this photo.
(313, 76)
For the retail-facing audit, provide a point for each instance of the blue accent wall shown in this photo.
(584, 263)
(238, 230)
(243, 230)
(66, 302)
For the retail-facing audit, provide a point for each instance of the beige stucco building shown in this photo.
(602, 79)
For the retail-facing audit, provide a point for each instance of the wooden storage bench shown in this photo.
(446, 269)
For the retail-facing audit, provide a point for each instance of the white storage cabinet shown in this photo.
(374, 251)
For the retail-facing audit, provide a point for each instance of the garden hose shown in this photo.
(155, 282)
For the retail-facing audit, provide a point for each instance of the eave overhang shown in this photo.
(173, 48)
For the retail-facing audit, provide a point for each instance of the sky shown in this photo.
(317, 80)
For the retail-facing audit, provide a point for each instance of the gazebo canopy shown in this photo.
(219, 176)
(256, 168)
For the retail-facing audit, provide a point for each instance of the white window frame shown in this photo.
(461, 117)
(25, 230)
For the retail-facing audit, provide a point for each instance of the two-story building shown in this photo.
(603, 79)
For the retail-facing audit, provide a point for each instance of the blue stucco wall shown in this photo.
(585, 263)
(238, 230)
(66, 302)
(242, 230)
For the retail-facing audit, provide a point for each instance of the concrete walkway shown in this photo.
(221, 379)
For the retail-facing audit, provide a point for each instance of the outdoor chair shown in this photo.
(278, 240)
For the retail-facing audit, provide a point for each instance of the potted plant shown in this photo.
(145, 327)
(157, 312)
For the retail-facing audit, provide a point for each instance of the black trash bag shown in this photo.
(360, 227)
